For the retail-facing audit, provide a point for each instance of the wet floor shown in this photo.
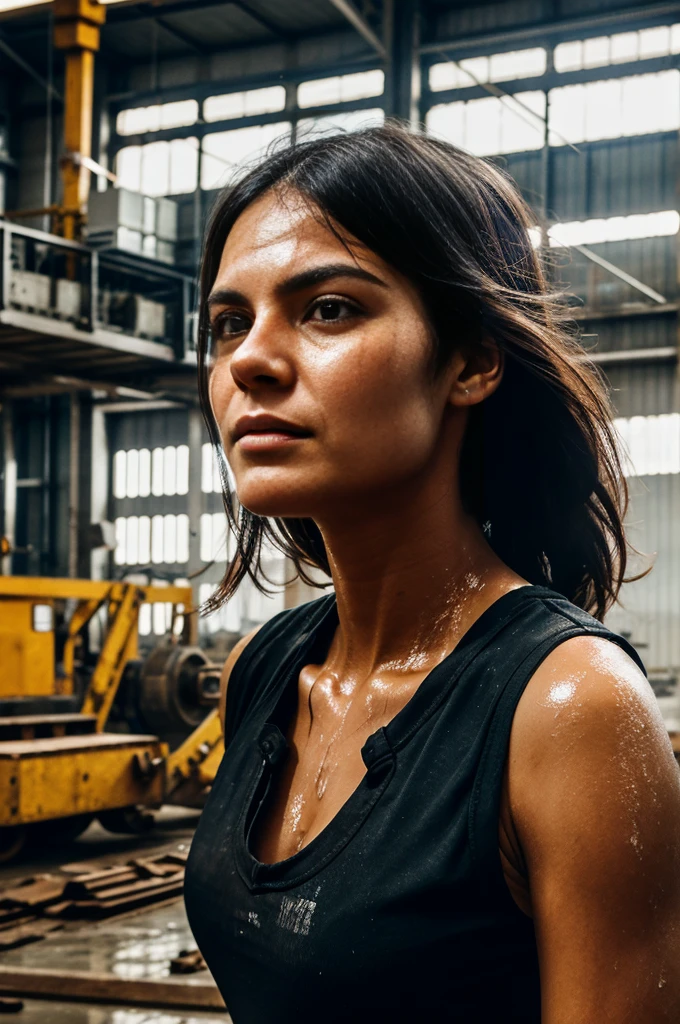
(136, 947)
(42, 1012)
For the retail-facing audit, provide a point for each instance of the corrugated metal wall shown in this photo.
(604, 179)
(650, 608)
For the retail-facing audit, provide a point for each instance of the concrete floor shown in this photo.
(42, 1012)
(136, 947)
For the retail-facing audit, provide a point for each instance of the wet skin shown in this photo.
(337, 344)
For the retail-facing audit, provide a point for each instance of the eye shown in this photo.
(332, 310)
(227, 324)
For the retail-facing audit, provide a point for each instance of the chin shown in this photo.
(276, 502)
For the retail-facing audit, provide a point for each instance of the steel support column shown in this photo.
(9, 484)
(77, 30)
(402, 74)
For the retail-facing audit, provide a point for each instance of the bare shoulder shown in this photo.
(589, 690)
(234, 654)
(594, 796)
(588, 719)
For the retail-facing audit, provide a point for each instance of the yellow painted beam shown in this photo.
(190, 759)
(87, 590)
(55, 778)
(77, 25)
(112, 659)
(81, 616)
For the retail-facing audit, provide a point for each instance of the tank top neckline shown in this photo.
(378, 752)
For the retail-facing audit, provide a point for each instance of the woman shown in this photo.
(447, 793)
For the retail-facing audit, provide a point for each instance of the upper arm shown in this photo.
(594, 793)
(234, 654)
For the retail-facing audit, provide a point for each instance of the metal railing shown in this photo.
(96, 290)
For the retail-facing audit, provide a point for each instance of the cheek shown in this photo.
(220, 386)
(379, 400)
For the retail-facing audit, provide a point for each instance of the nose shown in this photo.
(263, 358)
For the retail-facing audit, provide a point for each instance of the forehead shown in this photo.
(279, 231)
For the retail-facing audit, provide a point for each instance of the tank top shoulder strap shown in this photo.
(545, 621)
(262, 665)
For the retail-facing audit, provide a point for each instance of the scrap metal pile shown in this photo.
(45, 903)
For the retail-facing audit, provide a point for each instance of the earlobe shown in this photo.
(478, 375)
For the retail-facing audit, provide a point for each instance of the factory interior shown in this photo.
(120, 122)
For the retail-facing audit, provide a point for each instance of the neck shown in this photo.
(411, 573)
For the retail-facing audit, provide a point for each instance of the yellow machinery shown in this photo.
(58, 767)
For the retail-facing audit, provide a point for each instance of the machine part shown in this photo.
(26, 653)
(208, 685)
(146, 767)
(69, 303)
(47, 707)
(57, 771)
(58, 777)
(120, 641)
(172, 685)
(119, 207)
(127, 821)
(30, 291)
(149, 318)
(191, 768)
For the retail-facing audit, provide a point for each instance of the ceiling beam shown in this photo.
(357, 20)
(275, 30)
(182, 37)
(117, 14)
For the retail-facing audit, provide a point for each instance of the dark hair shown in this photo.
(539, 467)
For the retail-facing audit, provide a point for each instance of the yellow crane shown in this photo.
(59, 768)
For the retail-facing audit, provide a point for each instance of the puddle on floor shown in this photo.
(133, 948)
(43, 1012)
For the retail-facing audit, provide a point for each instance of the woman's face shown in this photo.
(334, 344)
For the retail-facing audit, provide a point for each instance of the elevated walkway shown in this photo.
(108, 317)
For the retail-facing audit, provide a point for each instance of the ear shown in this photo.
(475, 373)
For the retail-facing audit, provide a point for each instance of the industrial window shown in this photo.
(492, 125)
(228, 617)
(157, 617)
(618, 49)
(217, 542)
(499, 67)
(159, 539)
(343, 121)
(244, 104)
(210, 473)
(615, 229)
(650, 444)
(139, 120)
(159, 168)
(341, 88)
(225, 152)
(635, 105)
(139, 472)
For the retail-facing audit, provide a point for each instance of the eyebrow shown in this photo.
(299, 282)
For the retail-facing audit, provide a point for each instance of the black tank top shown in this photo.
(398, 910)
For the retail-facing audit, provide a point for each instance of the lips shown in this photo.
(261, 423)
